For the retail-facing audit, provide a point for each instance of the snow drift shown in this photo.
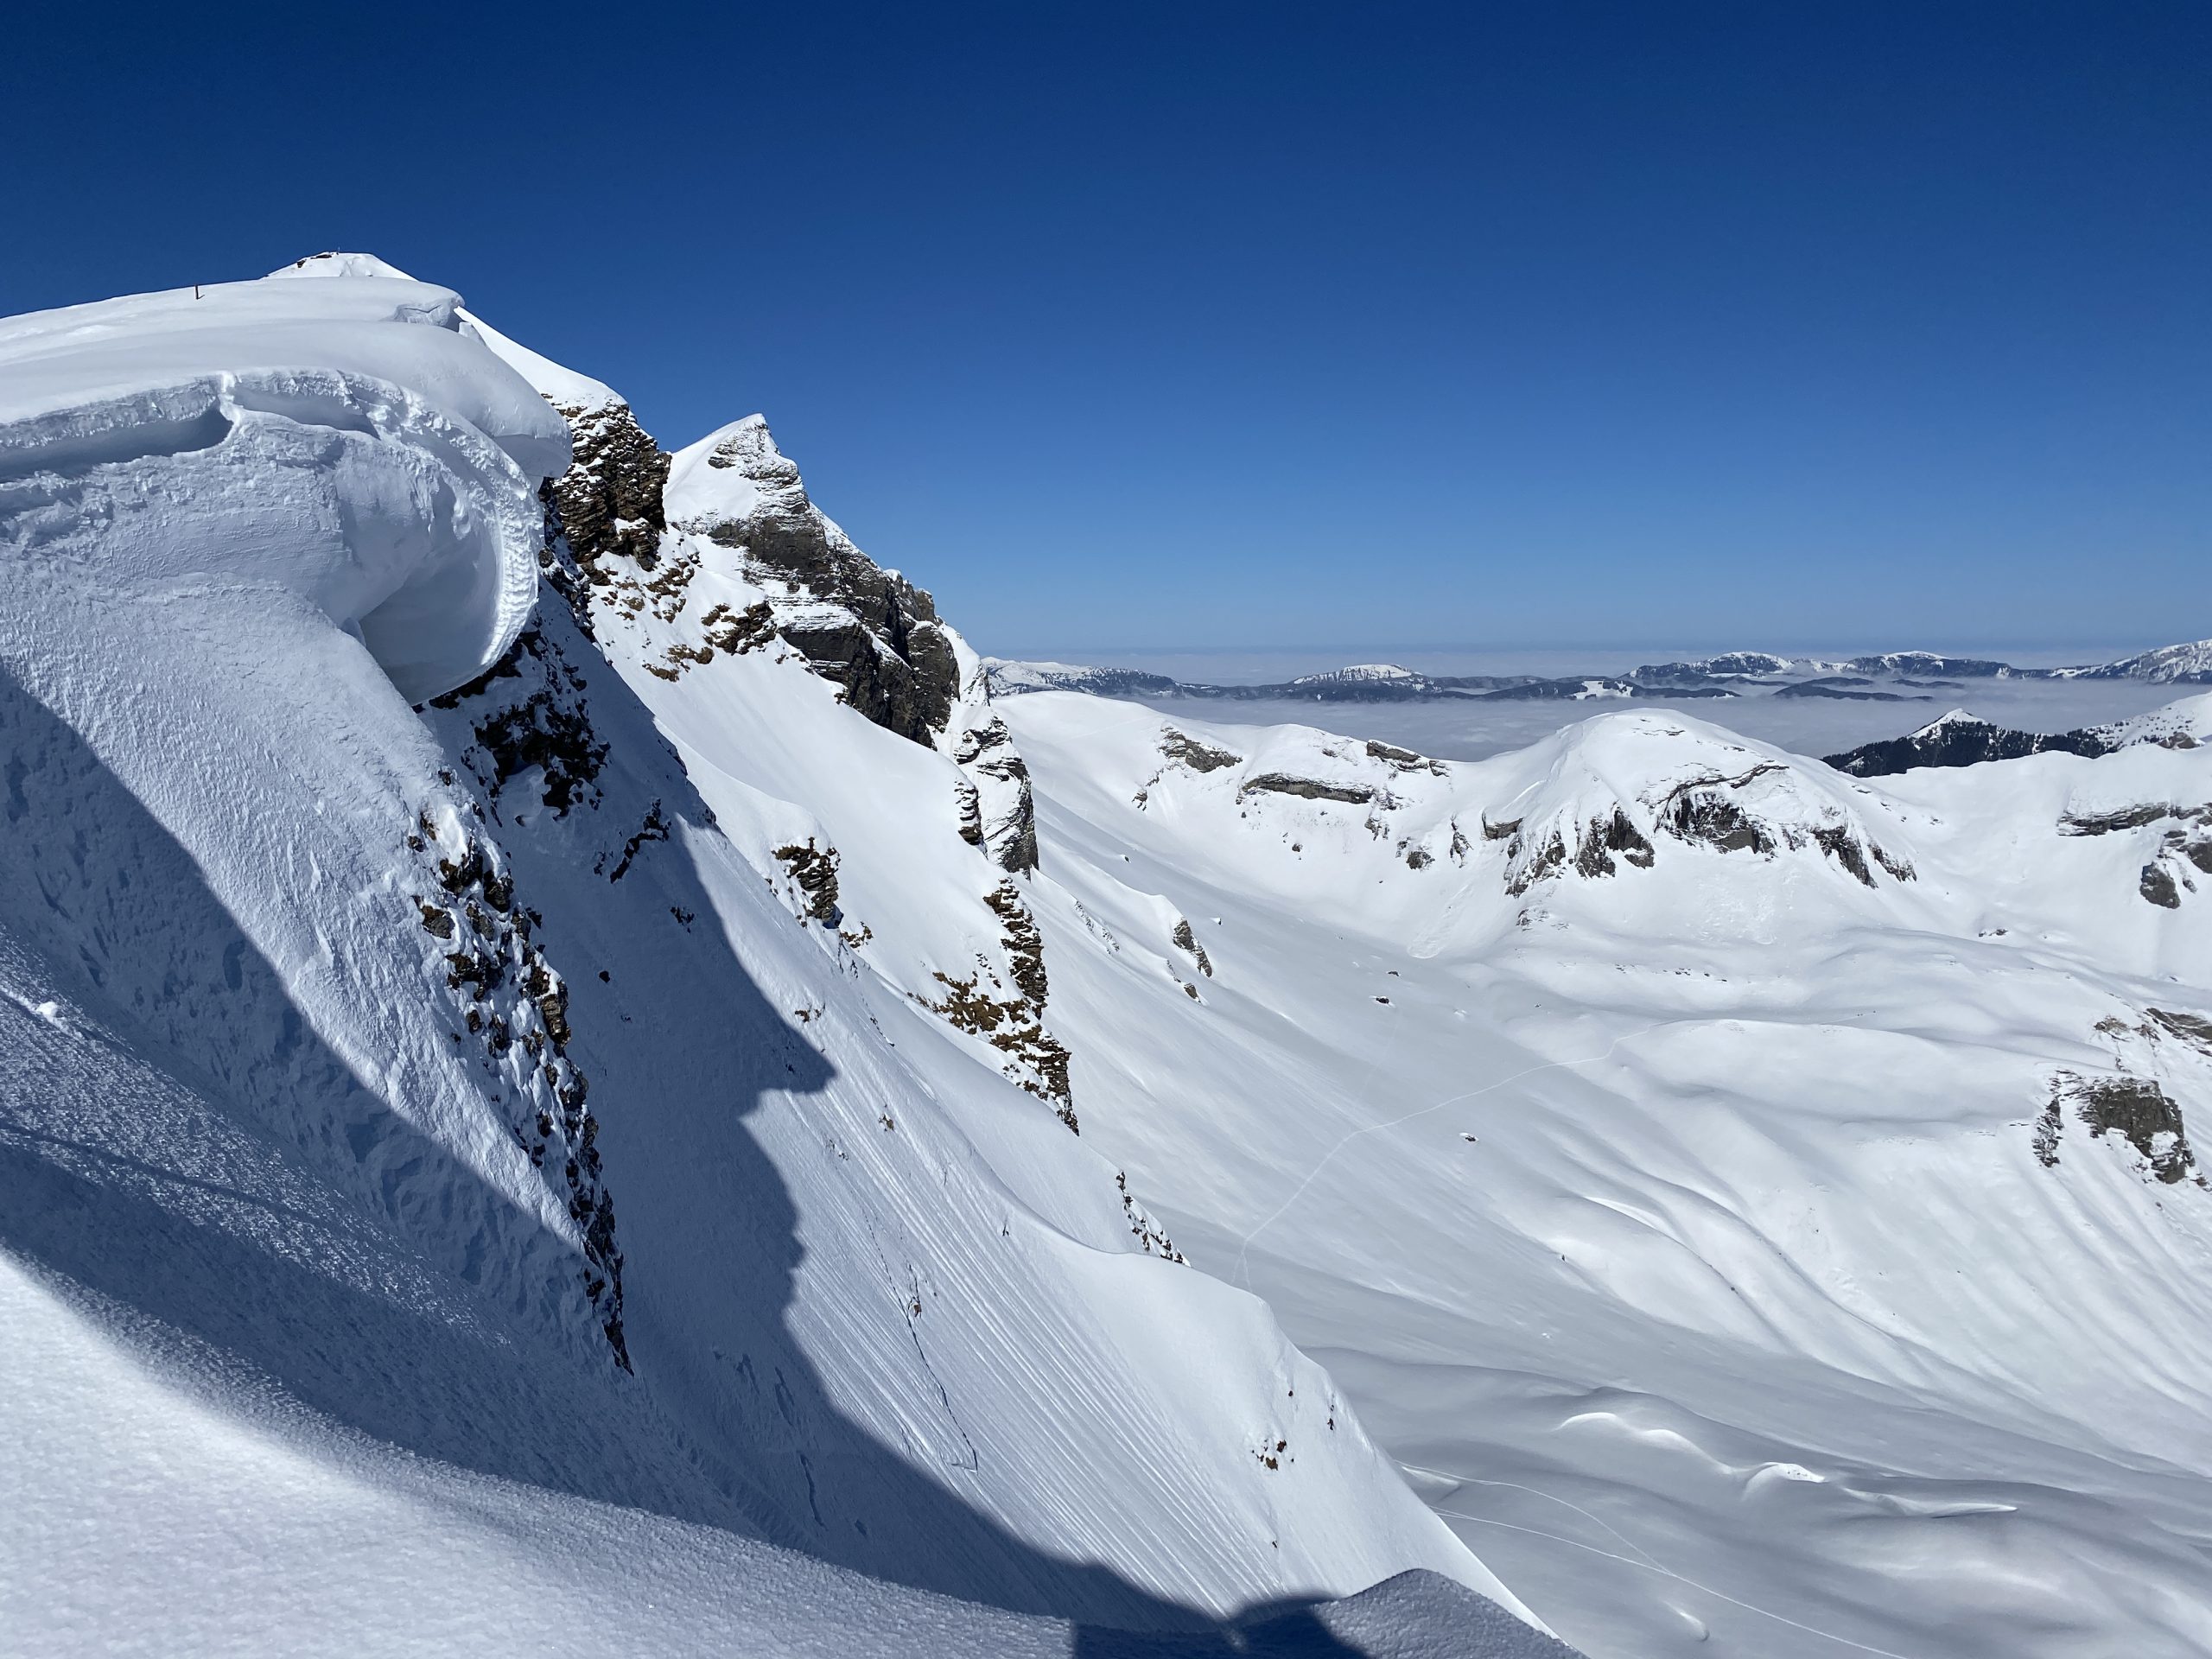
(1761, 1210)
(586, 1162)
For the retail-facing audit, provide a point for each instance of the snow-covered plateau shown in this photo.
(571, 1081)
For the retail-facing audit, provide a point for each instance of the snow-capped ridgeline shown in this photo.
(1960, 738)
(572, 1082)
(584, 1161)
(340, 442)
(1885, 676)
(1762, 1209)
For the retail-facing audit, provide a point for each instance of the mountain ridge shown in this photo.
(1732, 674)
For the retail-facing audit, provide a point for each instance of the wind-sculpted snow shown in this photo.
(338, 443)
(1768, 1225)
(584, 1165)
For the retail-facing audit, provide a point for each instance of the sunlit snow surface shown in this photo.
(306, 1350)
(1471, 730)
(1678, 1225)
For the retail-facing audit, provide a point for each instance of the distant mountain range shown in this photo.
(1886, 676)
(1961, 739)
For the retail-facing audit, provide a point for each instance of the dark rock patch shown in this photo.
(1283, 783)
(1199, 757)
(868, 629)
(610, 498)
(2135, 1109)
(1962, 743)
(814, 871)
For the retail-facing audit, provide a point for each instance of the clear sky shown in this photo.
(1238, 325)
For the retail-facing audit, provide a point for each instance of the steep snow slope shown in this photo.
(461, 1145)
(1756, 1207)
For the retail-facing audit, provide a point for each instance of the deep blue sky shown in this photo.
(1259, 326)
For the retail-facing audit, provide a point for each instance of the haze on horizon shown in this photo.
(1240, 328)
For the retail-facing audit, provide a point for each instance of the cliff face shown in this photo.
(610, 498)
(868, 629)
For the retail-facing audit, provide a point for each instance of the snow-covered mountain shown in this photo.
(2169, 664)
(1762, 1211)
(1362, 682)
(583, 1075)
(534, 1097)
(1885, 676)
(1961, 738)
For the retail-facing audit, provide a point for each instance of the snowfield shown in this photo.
(469, 1185)
(571, 1081)
(1749, 1203)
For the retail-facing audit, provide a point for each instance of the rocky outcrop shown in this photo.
(869, 630)
(1187, 942)
(1310, 789)
(998, 807)
(1623, 790)
(610, 498)
(2184, 846)
(513, 1005)
(539, 722)
(1592, 854)
(1183, 750)
(814, 871)
(2135, 1110)
(1010, 1018)
(1399, 760)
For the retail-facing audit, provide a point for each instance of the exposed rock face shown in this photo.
(1187, 942)
(1597, 821)
(868, 629)
(1199, 757)
(610, 498)
(1592, 854)
(1399, 760)
(513, 1005)
(1312, 789)
(998, 807)
(2185, 848)
(2135, 1109)
(1014, 1024)
(540, 721)
(814, 870)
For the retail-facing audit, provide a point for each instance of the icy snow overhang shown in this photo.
(343, 441)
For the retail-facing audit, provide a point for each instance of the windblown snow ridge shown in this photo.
(339, 443)
(302, 991)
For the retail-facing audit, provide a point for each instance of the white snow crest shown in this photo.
(339, 440)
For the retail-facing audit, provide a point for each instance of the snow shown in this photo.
(1358, 671)
(336, 443)
(1679, 1227)
(700, 493)
(2163, 666)
(2186, 719)
(314, 1345)
(1630, 1180)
